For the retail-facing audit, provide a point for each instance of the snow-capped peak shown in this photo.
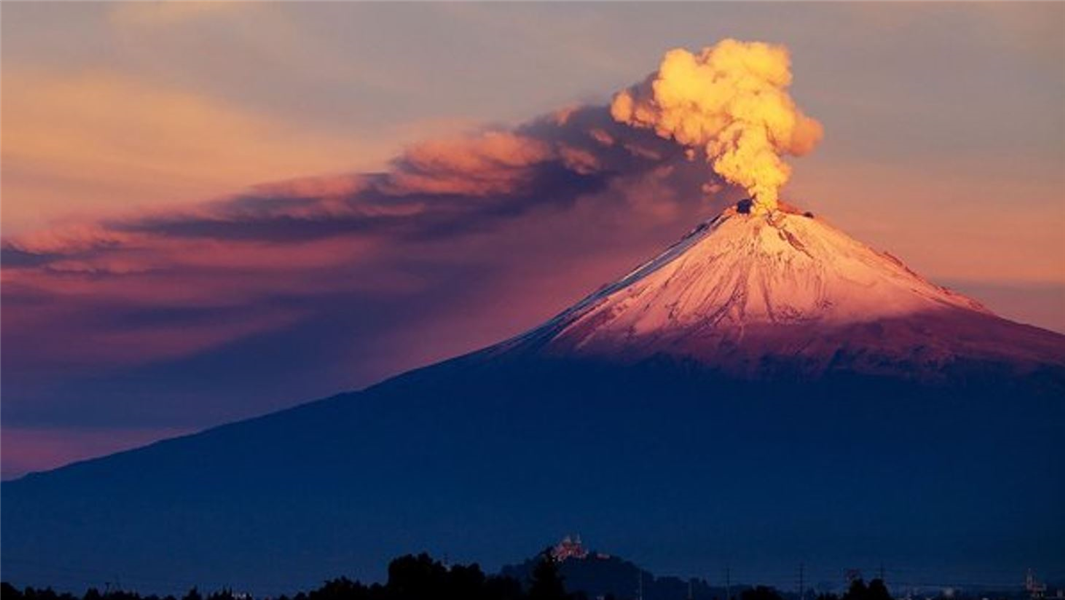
(742, 269)
(785, 285)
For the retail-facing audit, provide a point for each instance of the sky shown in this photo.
(212, 211)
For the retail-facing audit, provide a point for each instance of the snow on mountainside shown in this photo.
(745, 289)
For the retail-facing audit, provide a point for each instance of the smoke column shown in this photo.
(731, 102)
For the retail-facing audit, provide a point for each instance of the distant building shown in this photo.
(569, 547)
(1035, 589)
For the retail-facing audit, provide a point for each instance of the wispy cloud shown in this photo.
(435, 188)
(162, 13)
(97, 141)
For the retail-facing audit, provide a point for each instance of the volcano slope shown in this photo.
(765, 392)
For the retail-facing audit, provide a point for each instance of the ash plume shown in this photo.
(730, 101)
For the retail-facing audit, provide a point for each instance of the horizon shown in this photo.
(815, 581)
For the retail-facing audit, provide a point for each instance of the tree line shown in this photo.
(421, 577)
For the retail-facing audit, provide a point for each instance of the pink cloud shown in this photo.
(494, 162)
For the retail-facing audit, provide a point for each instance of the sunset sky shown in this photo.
(211, 211)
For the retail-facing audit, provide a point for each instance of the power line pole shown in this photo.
(802, 590)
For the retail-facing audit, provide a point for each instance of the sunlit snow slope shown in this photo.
(746, 292)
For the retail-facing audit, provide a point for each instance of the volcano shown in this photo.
(765, 392)
(760, 295)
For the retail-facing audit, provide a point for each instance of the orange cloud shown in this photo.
(730, 101)
(169, 12)
(579, 160)
(491, 163)
(92, 143)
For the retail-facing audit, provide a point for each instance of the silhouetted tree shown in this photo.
(340, 589)
(878, 590)
(416, 578)
(466, 582)
(760, 593)
(546, 582)
(875, 590)
(503, 588)
(857, 591)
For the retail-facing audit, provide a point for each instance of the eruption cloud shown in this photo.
(731, 102)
